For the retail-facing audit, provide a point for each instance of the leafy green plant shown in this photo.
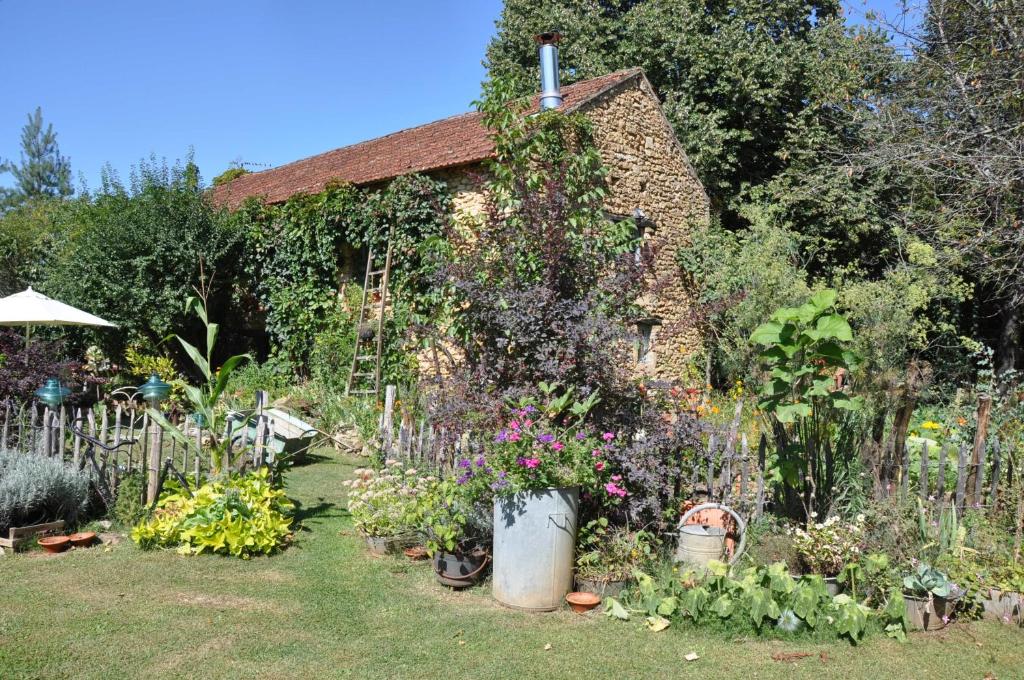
(205, 399)
(766, 599)
(927, 581)
(241, 516)
(807, 360)
(129, 507)
(612, 553)
(456, 512)
(825, 547)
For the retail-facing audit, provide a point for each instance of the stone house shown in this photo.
(650, 179)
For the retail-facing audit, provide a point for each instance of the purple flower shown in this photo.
(464, 463)
(546, 438)
(530, 409)
(580, 436)
(501, 437)
(479, 461)
(463, 479)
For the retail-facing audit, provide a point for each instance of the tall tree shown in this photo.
(956, 127)
(42, 171)
(738, 80)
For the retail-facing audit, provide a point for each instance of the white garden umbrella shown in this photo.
(29, 308)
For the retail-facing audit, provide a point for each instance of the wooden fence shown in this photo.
(727, 468)
(116, 438)
(724, 469)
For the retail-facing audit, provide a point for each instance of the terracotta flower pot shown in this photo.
(82, 539)
(416, 553)
(581, 603)
(55, 544)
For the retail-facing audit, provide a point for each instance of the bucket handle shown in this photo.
(561, 515)
(469, 576)
(741, 526)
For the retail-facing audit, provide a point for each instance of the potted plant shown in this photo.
(456, 523)
(930, 597)
(1004, 595)
(823, 548)
(544, 455)
(384, 505)
(609, 556)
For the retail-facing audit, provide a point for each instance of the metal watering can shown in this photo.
(699, 544)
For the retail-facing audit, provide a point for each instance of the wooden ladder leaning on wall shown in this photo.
(364, 376)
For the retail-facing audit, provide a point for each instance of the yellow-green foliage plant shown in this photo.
(241, 516)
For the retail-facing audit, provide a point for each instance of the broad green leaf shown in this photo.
(668, 606)
(614, 609)
(761, 604)
(806, 312)
(833, 326)
(723, 606)
(805, 603)
(788, 413)
(767, 333)
(823, 299)
(224, 374)
(211, 337)
(201, 363)
(695, 600)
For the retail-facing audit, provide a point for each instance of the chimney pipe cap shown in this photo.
(548, 38)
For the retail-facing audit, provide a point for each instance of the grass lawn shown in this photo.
(325, 608)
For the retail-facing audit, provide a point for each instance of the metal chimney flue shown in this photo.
(550, 91)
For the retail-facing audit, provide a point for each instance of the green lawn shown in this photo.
(325, 608)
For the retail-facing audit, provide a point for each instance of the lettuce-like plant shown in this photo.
(241, 516)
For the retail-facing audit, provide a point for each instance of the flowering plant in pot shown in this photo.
(824, 548)
(544, 455)
(385, 505)
(930, 597)
(455, 519)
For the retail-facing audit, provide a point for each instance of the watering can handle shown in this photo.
(741, 526)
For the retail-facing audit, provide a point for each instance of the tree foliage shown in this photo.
(42, 171)
(135, 252)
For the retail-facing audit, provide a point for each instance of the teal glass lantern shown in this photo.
(154, 390)
(199, 419)
(52, 393)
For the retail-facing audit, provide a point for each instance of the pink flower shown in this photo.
(527, 423)
(514, 436)
(616, 478)
(514, 424)
(599, 465)
(531, 462)
(608, 436)
(558, 446)
(595, 453)
(615, 490)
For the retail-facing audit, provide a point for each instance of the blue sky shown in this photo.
(261, 81)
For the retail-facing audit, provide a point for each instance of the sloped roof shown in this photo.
(446, 143)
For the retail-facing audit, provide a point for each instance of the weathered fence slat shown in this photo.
(993, 494)
(940, 482)
(979, 476)
(922, 479)
(961, 476)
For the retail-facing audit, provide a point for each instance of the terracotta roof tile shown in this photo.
(449, 142)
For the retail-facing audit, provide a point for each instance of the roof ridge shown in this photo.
(461, 139)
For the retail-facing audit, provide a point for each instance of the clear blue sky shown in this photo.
(261, 81)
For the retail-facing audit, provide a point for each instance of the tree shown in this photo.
(43, 172)
(955, 127)
(136, 252)
(739, 81)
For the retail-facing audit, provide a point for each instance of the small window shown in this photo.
(645, 341)
(644, 231)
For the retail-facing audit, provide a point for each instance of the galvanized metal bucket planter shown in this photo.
(927, 613)
(534, 545)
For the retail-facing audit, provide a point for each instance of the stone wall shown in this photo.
(649, 171)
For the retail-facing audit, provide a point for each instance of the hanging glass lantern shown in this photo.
(52, 393)
(154, 390)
